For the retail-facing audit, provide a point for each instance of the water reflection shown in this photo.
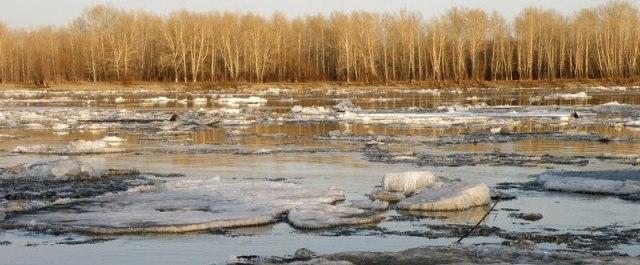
(469, 216)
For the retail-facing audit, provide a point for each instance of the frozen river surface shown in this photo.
(196, 177)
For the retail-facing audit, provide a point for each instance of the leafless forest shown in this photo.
(108, 44)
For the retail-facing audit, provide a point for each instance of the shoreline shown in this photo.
(160, 86)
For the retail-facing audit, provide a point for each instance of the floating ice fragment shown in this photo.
(328, 216)
(345, 105)
(58, 170)
(105, 145)
(407, 182)
(200, 101)
(158, 100)
(449, 197)
(433, 92)
(569, 96)
(114, 140)
(237, 101)
(60, 127)
(551, 181)
(310, 110)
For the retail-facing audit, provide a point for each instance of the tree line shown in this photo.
(109, 44)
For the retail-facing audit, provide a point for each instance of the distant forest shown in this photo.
(109, 44)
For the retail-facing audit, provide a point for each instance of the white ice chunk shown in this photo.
(114, 140)
(345, 105)
(105, 145)
(313, 110)
(407, 182)
(237, 101)
(589, 185)
(474, 98)
(200, 101)
(569, 96)
(87, 147)
(158, 100)
(327, 216)
(60, 127)
(449, 197)
(433, 92)
(58, 170)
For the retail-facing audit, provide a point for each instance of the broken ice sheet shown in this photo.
(450, 197)
(316, 216)
(107, 144)
(178, 206)
(624, 183)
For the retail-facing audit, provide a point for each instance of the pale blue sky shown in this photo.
(30, 13)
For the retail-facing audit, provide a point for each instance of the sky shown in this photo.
(35, 13)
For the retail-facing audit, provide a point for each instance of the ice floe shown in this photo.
(433, 92)
(569, 96)
(158, 100)
(238, 101)
(181, 206)
(59, 170)
(612, 103)
(327, 216)
(449, 197)
(604, 184)
(345, 105)
(310, 110)
(60, 127)
(200, 101)
(43, 184)
(104, 145)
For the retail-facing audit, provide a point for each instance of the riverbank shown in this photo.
(171, 86)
